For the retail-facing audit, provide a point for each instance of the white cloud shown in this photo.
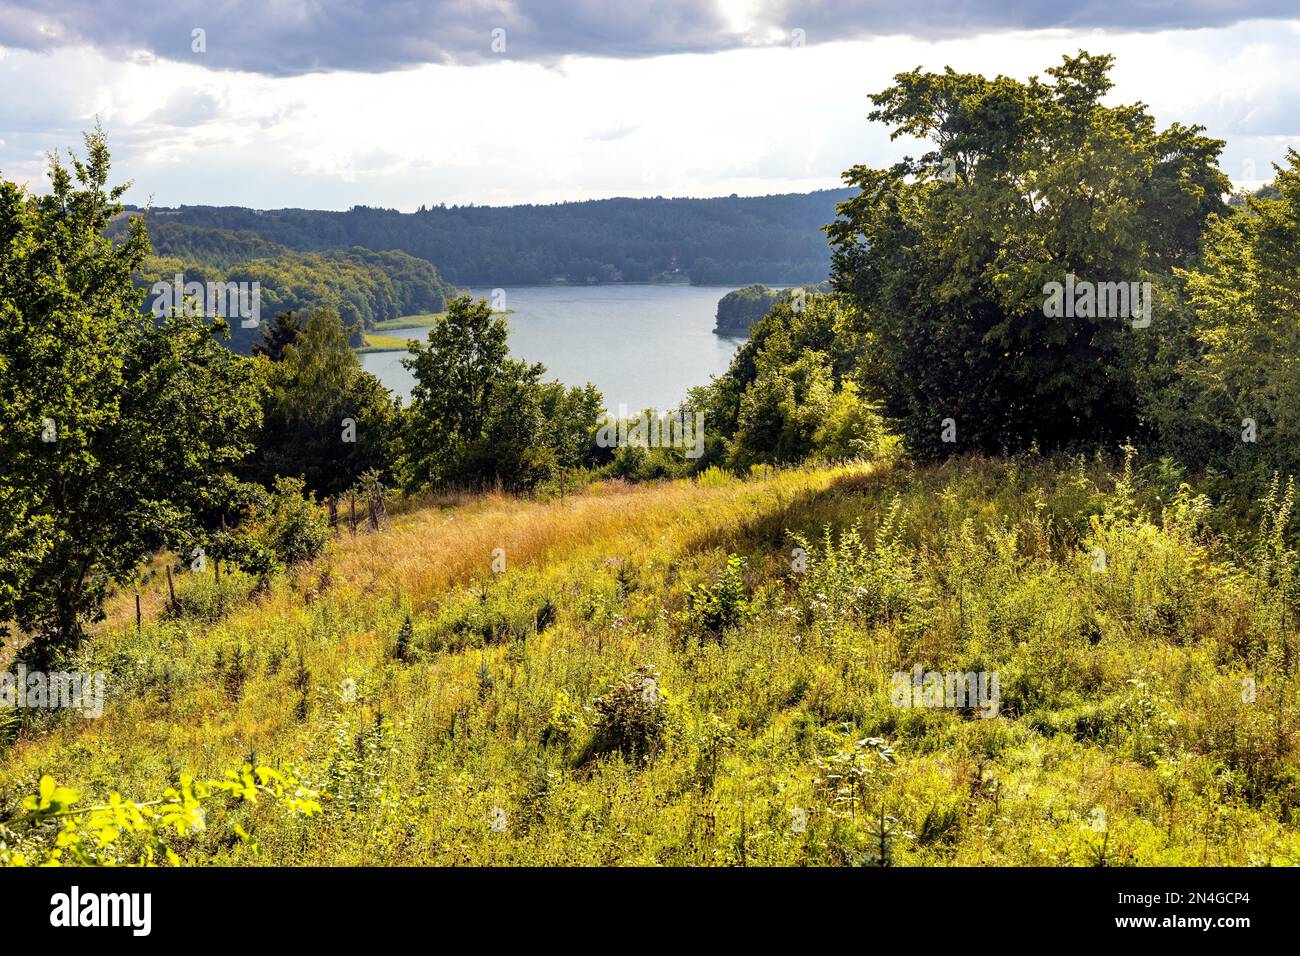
(748, 121)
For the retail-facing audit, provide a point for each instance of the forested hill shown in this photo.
(728, 240)
(364, 287)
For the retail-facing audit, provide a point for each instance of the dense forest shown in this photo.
(362, 287)
(721, 241)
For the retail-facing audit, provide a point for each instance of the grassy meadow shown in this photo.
(698, 673)
(384, 343)
(419, 321)
(378, 341)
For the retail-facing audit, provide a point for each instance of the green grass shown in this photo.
(377, 342)
(422, 320)
(395, 343)
(384, 343)
(1124, 735)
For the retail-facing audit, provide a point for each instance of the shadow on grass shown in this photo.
(845, 499)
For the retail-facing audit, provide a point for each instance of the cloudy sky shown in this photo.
(332, 103)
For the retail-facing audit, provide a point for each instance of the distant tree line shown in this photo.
(730, 240)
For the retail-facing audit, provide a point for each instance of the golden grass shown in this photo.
(385, 343)
(416, 560)
(422, 554)
(618, 561)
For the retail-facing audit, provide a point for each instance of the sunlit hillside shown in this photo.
(701, 672)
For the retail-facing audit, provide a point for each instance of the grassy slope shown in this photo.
(1120, 691)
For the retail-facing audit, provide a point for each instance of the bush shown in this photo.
(55, 832)
(204, 597)
(295, 529)
(634, 463)
(844, 577)
(852, 428)
(714, 477)
(564, 724)
(508, 609)
(403, 649)
(631, 718)
(713, 609)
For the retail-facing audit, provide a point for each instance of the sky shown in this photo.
(328, 104)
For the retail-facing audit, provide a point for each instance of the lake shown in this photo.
(641, 345)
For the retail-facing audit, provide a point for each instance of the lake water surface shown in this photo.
(641, 345)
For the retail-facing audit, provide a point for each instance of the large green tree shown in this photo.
(116, 433)
(1227, 391)
(478, 417)
(327, 420)
(947, 256)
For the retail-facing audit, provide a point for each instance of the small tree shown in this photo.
(405, 637)
(294, 528)
(631, 718)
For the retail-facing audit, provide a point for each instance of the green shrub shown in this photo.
(564, 724)
(844, 577)
(204, 597)
(714, 609)
(295, 529)
(631, 718)
(507, 609)
(403, 650)
(53, 831)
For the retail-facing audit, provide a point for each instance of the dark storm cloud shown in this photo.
(828, 20)
(301, 36)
